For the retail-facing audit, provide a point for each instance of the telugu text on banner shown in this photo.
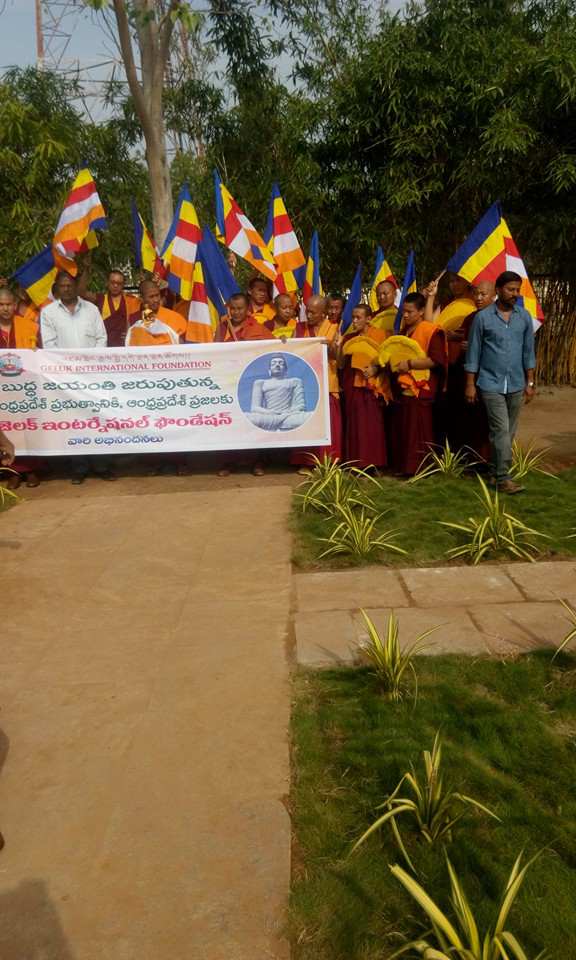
(234, 396)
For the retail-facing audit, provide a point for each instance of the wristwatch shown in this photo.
(531, 384)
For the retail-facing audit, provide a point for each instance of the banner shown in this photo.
(218, 396)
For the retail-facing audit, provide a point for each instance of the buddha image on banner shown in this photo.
(278, 391)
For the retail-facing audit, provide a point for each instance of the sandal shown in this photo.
(258, 470)
(32, 480)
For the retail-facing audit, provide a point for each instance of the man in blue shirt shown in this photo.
(500, 363)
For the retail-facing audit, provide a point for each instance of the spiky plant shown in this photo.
(529, 460)
(332, 484)
(445, 461)
(571, 635)
(494, 531)
(357, 535)
(389, 662)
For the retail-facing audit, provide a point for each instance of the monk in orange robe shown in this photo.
(18, 332)
(364, 397)
(386, 296)
(239, 324)
(154, 325)
(260, 300)
(336, 304)
(115, 306)
(285, 316)
(318, 324)
(451, 318)
(411, 422)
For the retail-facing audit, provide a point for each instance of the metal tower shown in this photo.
(55, 22)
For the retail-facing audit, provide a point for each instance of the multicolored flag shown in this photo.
(354, 298)
(180, 246)
(382, 272)
(283, 246)
(81, 216)
(490, 250)
(214, 284)
(241, 236)
(219, 228)
(145, 250)
(312, 282)
(408, 286)
(36, 276)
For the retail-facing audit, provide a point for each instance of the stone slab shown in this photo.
(545, 624)
(546, 580)
(432, 586)
(325, 638)
(455, 631)
(349, 589)
(144, 721)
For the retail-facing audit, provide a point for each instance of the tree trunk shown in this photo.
(160, 184)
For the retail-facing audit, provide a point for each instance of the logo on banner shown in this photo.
(278, 392)
(10, 365)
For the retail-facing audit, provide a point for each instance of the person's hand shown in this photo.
(370, 370)
(455, 335)
(470, 394)
(7, 452)
(529, 393)
(403, 366)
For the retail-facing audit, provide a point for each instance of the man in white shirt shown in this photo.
(70, 322)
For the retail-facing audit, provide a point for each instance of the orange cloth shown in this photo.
(112, 305)
(422, 334)
(140, 337)
(328, 331)
(250, 329)
(23, 334)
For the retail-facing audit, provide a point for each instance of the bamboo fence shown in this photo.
(556, 340)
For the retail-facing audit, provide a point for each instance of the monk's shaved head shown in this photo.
(316, 309)
(483, 293)
(8, 304)
(7, 294)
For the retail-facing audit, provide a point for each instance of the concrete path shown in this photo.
(495, 610)
(144, 712)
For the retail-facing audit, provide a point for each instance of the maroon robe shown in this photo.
(411, 418)
(364, 430)
(465, 424)
(117, 322)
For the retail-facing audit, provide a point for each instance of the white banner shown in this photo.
(218, 396)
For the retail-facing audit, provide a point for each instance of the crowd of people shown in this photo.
(459, 371)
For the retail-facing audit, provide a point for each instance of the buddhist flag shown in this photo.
(382, 272)
(312, 282)
(354, 298)
(283, 246)
(490, 250)
(81, 216)
(408, 286)
(203, 314)
(37, 275)
(219, 228)
(221, 281)
(145, 250)
(180, 246)
(242, 237)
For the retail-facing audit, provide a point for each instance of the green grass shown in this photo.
(548, 505)
(509, 740)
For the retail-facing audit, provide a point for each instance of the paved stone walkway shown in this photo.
(144, 713)
(497, 610)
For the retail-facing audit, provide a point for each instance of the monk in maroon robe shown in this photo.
(412, 422)
(364, 429)
(114, 304)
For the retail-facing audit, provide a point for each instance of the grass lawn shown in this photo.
(509, 741)
(548, 505)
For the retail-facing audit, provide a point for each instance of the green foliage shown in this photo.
(389, 663)
(571, 635)
(357, 535)
(7, 496)
(331, 485)
(508, 729)
(446, 462)
(496, 531)
(528, 460)
(435, 809)
(465, 941)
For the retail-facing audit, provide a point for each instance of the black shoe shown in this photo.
(78, 478)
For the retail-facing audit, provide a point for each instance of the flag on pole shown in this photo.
(36, 276)
(283, 245)
(241, 236)
(312, 282)
(220, 279)
(354, 298)
(180, 246)
(213, 286)
(219, 229)
(490, 250)
(81, 216)
(145, 250)
(382, 272)
(408, 286)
